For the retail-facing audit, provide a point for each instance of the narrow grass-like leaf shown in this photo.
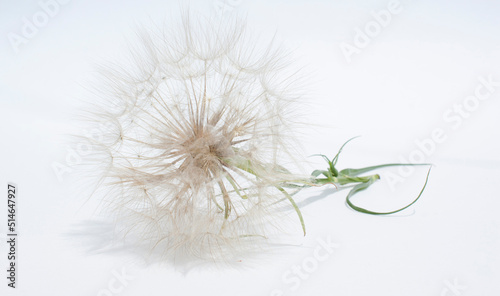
(297, 210)
(363, 186)
(355, 172)
(248, 168)
(336, 158)
(323, 156)
(235, 186)
(227, 201)
(316, 173)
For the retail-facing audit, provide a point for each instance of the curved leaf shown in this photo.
(363, 186)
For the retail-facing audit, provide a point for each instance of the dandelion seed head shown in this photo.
(201, 117)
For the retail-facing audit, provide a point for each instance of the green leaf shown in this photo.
(282, 169)
(226, 199)
(363, 186)
(318, 172)
(344, 179)
(336, 158)
(355, 172)
(248, 167)
(289, 197)
(235, 186)
(324, 157)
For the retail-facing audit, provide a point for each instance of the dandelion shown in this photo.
(200, 123)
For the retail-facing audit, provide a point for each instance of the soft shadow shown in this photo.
(96, 237)
(325, 193)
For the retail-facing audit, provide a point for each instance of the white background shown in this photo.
(395, 91)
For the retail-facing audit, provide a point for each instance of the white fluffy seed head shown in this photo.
(197, 125)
